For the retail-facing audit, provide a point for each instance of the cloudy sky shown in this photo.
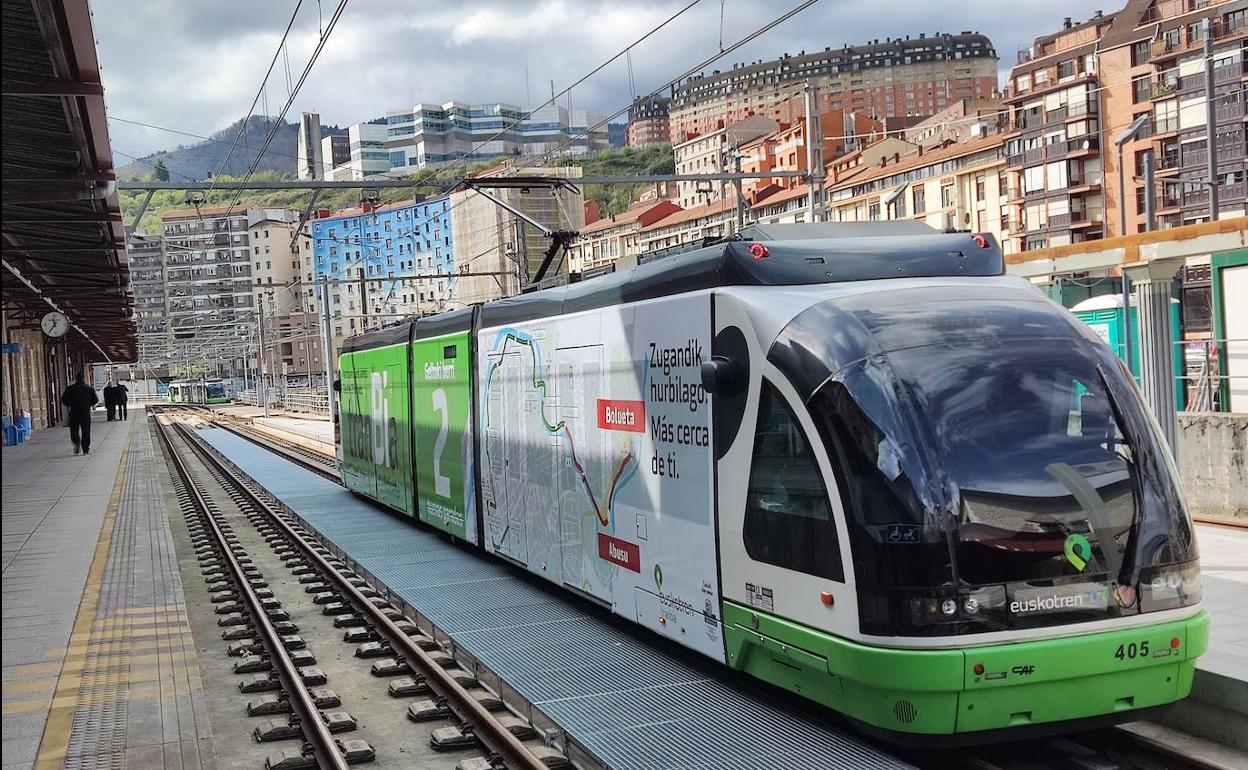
(195, 65)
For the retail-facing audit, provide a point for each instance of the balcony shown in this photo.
(1165, 125)
(1055, 116)
(1168, 162)
(1224, 111)
(1233, 191)
(1092, 216)
(1078, 110)
(1230, 73)
(1059, 221)
(1083, 145)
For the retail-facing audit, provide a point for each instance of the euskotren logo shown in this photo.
(1078, 550)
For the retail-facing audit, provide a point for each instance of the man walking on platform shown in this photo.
(79, 398)
(121, 396)
(110, 400)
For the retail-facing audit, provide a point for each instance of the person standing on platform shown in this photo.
(121, 395)
(110, 400)
(79, 398)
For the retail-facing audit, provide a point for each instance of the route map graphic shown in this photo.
(596, 465)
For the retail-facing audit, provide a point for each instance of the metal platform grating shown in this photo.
(632, 704)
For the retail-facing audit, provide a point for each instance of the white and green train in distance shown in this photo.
(870, 469)
(199, 392)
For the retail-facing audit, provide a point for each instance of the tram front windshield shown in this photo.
(216, 390)
(1011, 484)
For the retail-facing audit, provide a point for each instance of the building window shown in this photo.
(1140, 52)
(788, 519)
(1141, 88)
(920, 200)
(1066, 69)
(980, 185)
(946, 196)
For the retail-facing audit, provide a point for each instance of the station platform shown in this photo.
(99, 667)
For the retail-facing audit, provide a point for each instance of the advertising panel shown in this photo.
(442, 378)
(597, 462)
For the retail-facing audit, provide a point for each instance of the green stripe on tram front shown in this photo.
(937, 691)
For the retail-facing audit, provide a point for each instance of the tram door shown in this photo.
(783, 550)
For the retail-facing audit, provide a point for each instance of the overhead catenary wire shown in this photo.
(259, 92)
(281, 117)
(654, 92)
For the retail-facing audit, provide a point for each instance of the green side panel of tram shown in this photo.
(442, 393)
(938, 691)
(376, 426)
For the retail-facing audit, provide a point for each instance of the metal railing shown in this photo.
(312, 400)
(1206, 384)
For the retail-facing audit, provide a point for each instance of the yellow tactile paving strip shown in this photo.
(55, 742)
(129, 690)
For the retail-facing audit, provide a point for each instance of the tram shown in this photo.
(869, 469)
(212, 391)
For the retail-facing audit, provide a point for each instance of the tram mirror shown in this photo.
(721, 376)
(337, 386)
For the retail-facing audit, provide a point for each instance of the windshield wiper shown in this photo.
(1137, 485)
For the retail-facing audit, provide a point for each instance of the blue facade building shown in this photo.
(385, 262)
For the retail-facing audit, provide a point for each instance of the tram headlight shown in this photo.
(1168, 587)
(942, 611)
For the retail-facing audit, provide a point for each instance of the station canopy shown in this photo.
(64, 240)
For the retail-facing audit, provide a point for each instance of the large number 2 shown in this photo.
(441, 484)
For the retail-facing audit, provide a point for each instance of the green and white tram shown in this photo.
(872, 470)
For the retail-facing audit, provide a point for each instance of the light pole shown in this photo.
(1128, 134)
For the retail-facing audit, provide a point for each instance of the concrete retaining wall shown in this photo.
(1213, 461)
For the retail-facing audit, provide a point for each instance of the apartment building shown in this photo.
(963, 120)
(712, 220)
(903, 76)
(382, 263)
(648, 123)
(1152, 63)
(208, 274)
(293, 348)
(962, 186)
(499, 248)
(275, 259)
(147, 280)
(711, 153)
(785, 149)
(431, 135)
(616, 236)
(1053, 151)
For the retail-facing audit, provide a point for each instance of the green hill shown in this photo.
(612, 199)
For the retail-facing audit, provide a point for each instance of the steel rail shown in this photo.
(493, 736)
(323, 743)
(283, 449)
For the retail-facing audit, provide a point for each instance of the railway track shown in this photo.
(469, 727)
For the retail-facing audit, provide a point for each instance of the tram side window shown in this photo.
(788, 517)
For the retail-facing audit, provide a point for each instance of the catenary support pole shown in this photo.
(261, 385)
(812, 115)
(1150, 202)
(1153, 282)
(1211, 147)
(327, 349)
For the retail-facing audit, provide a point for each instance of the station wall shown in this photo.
(1213, 462)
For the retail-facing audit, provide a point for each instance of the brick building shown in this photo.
(648, 124)
(903, 76)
